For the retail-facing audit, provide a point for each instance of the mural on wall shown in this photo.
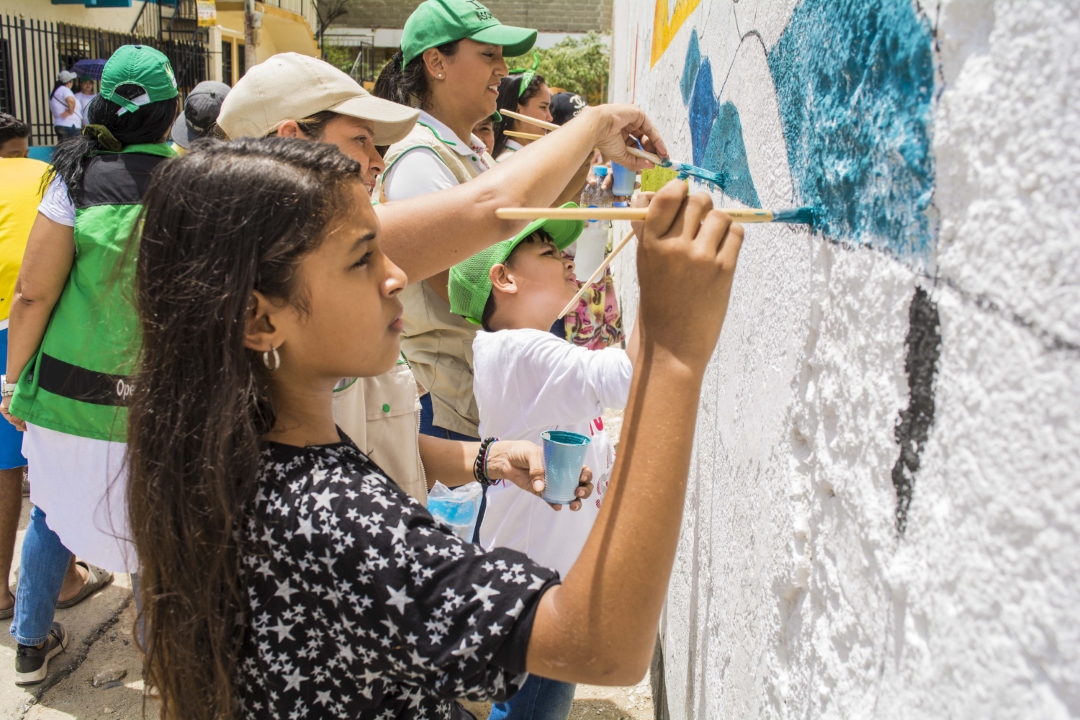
(667, 22)
(889, 437)
(854, 83)
(861, 75)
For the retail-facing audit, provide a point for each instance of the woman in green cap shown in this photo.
(450, 65)
(73, 342)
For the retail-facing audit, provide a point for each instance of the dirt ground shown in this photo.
(102, 647)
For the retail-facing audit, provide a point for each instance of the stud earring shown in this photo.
(440, 76)
(272, 353)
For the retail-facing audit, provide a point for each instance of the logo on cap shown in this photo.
(482, 13)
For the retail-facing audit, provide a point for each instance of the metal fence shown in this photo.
(33, 52)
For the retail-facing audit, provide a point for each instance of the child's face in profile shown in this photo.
(350, 323)
(542, 279)
(486, 132)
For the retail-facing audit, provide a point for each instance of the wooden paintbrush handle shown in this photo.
(530, 120)
(524, 136)
(742, 215)
(599, 271)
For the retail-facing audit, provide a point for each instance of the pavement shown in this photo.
(100, 673)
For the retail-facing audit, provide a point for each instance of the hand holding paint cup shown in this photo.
(564, 456)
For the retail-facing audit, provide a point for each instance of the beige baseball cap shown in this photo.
(291, 86)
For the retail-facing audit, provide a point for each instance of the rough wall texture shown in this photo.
(884, 510)
(572, 16)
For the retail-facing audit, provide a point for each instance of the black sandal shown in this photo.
(96, 578)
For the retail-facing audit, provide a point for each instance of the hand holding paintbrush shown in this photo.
(612, 149)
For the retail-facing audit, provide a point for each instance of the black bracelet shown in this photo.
(480, 464)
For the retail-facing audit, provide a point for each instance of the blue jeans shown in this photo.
(43, 566)
(538, 699)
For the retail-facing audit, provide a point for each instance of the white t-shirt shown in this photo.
(420, 171)
(58, 105)
(512, 146)
(84, 102)
(527, 382)
(56, 205)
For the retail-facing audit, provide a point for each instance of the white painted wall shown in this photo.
(793, 595)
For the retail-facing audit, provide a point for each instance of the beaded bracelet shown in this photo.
(480, 464)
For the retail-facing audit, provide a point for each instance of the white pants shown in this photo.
(81, 486)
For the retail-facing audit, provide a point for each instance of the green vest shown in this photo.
(77, 382)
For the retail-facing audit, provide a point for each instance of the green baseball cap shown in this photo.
(470, 280)
(138, 65)
(436, 22)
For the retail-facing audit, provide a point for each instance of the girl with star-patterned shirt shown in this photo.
(283, 574)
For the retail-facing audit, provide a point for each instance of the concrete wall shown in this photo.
(572, 16)
(115, 19)
(884, 510)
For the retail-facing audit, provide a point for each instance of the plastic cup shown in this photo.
(622, 180)
(564, 456)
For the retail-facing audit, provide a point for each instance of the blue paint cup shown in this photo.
(564, 456)
(622, 180)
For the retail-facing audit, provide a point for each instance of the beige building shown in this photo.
(280, 26)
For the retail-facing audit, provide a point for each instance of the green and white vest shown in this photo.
(77, 383)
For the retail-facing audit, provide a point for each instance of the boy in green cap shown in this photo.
(528, 381)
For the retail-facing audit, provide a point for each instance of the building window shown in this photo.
(227, 62)
(241, 60)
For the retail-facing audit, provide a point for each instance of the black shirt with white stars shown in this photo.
(361, 606)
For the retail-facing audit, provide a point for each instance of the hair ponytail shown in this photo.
(408, 85)
(217, 224)
(511, 96)
(148, 125)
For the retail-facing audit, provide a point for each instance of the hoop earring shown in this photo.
(272, 353)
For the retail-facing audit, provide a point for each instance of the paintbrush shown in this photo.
(524, 136)
(804, 215)
(530, 120)
(597, 273)
(683, 169)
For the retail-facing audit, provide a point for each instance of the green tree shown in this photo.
(579, 65)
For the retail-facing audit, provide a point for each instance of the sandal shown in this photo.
(96, 578)
(5, 614)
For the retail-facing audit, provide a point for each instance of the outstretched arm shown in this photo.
(428, 234)
(626, 562)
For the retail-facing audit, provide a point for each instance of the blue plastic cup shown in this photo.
(622, 180)
(564, 456)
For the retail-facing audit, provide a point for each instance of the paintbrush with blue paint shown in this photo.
(684, 170)
(802, 216)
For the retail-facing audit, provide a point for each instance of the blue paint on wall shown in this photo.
(690, 68)
(702, 111)
(716, 136)
(855, 80)
(726, 153)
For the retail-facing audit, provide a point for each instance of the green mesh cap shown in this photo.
(470, 280)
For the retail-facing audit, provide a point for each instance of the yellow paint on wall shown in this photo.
(665, 27)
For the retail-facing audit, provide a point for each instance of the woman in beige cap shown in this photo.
(292, 95)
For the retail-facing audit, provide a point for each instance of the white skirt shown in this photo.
(81, 486)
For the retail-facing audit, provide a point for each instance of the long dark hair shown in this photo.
(147, 125)
(217, 224)
(408, 85)
(511, 98)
